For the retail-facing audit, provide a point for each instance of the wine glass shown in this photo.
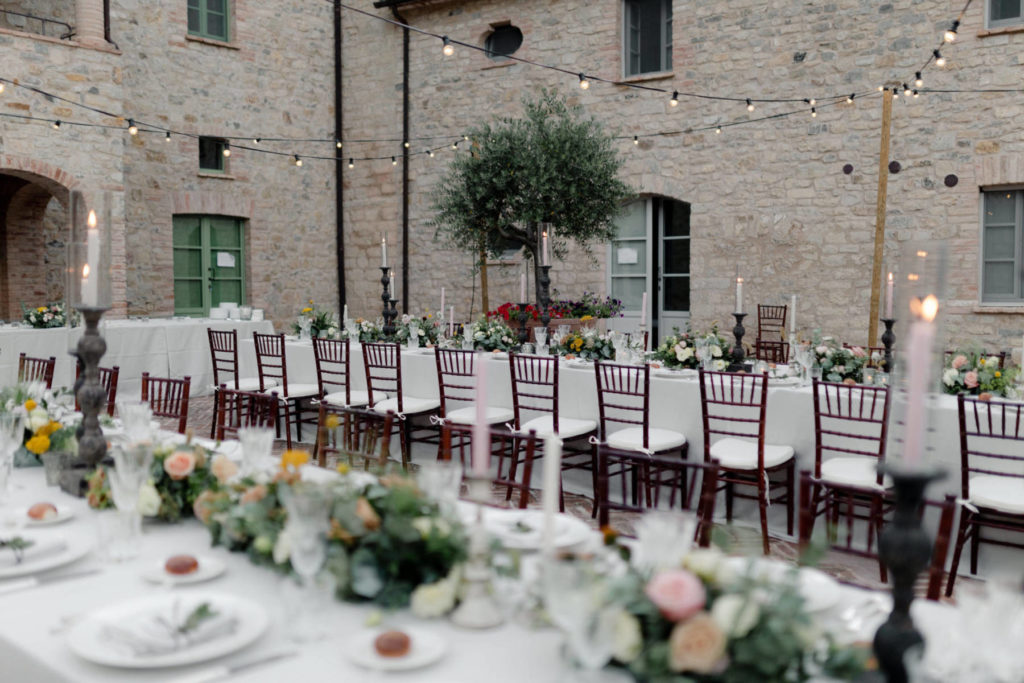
(441, 480)
(577, 601)
(131, 470)
(136, 420)
(352, 327)
(256, 444)
(305, 324)
(619, 342)
(308, 507)
(414, 335)
(12, 433)
(663, 538)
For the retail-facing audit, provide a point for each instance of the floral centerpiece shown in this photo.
(972, 371)
(429, 329)
(839, 363)
(369, 330)
(387, 542)
(50, 315)
(321, 322)
(43, 411)
(590, 305)
(509, 312)
(493, 334)
(679, 349)
(588, 344)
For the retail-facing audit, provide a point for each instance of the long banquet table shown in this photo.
(165, 347)
(33, 629)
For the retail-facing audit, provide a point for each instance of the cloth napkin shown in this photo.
(37, 551)
(154, 633)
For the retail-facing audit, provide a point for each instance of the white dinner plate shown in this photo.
(64, 513)
(88, 638)
(685, 373)
(784, 381)
(425, 648)
(819, 590)
(524, 529)
(210, 567)
(579, 363)
(73, 548)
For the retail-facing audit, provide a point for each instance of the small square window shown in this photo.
(211, 155)
(208, 19)
(647, 36)
(1003, 13)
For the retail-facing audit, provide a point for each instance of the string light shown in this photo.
(448, 48)
(675, 98)
(466, 138)
(916, 94)
(940, 61)
(455, 145)
(56, 125)
(167, 138)
(849, 98)
(636, 140)
(430, 153)
(895, 94)
(814, 113)
(337, 143)
(918, 81)
(584, 83)
(881, 88)
(227, 150)
(298, 161)
(950, 35)
(394, 161)
(718, 130)
(132, 128)
(811, 101)
(2, 86)
(750, 105)
(406, 144)
(351, 163)
(255, 141)
(906, 90)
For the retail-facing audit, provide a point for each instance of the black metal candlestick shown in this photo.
(906, 550)
(888, 339)
(524, 317)
(389, 318)
(92, 397)
(737, 350)
(543, 295)
(385, 296)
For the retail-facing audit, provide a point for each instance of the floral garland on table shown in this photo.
(387, 542)
(369, 331)
(493, 335)
(43, 414)
(972, 371)
(679, 349)
(43, 317)
(321, 322)
(428, 326)
(588, 344)
(838, 363)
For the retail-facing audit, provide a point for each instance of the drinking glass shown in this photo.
(816, 372)
(131, 470)
(352, 327)
(868, 376)
(561, 332)
(663, 539)
(12, 432)
(256, 444)
(619, 344)
(245, 312)
(304, 326)
(577, 600)
(136, 420)
(308, 507)
(761, 366)
(414, 336)
(441, 480)
(540, 334)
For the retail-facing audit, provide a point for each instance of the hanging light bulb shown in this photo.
(849, 98)
(750, 105)
(466, 138)
(906, 90)
(430, 153)
(950, 35)
(675, 99)
(167, 138)
(448, 48)
(881, 88)
(918, 81)
(813, 102)
(338, 144)
(584, 83)
(718, 130)
(132, 128)
(351, 163)
(227, 150)
(2, 86)
(895, 94)
(298, 161)
(56, 125)
(814, 113)
(455, 145)
(255, 141)
(916, 94)
(940, 61)
(394, 161)
(636, 140)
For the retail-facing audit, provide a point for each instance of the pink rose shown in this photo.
(223, 468)
(676, 593)
(971, 379)
(697, 645)
(959, 362)
(858, 352)
(254, 494)
(179, 464)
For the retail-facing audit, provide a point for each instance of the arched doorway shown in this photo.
(33, 241)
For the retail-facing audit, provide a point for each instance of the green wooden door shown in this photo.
(209, 263)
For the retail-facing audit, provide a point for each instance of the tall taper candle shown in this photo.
(442, 301)
(643, 310)
(522, 287)
(451, 321)
(919, 363)
(384, 251)
(792, 317)
(391, 284)
(344, 315)
(481, 430)
(551, 489)
(90, 271)
(888, 297)
(544, 249)
(739, 295)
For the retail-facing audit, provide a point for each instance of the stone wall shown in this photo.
(770, 197)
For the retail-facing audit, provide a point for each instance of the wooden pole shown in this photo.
(883, 189)
(483, 281)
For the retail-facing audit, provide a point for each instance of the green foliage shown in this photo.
(550, 166)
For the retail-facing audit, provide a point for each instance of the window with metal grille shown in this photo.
(503, 41)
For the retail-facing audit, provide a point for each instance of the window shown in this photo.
(647, 36)
(208, 19)
(1002, 252)
(1005, 13)
(503, 41)
(211, 155)
(209, 263)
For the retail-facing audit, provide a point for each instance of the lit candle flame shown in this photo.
(85, 271)
(91, 221)
(929, 307)
(890, 277)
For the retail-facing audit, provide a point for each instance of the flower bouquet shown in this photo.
(588, 344)
(321, 322)
(680, 349)
(972, 371)
(42, 317)
(493, 335)
(838, 363)
(368, 331)
(587, 307)
(429, 329)
(43, 411)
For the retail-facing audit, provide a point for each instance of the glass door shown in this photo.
(628, 259)
(673, 265)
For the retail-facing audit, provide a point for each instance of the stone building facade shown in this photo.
(771, 198)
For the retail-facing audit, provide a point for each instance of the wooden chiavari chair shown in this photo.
(360, 434)
(332, 373)
(167, 397)
(36, 369)
(234, 410)
(516, 453)
(273, 368)
(108, 379)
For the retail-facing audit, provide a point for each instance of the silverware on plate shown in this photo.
(34, 581)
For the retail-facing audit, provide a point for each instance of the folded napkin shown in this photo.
(156, 633)
(35, 552)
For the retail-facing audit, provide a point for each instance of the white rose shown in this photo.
(704, 562)
(821, 350)
(716, 351)
(628, 640)
(684, 354)
(149, 500)
(422, 525)
(992, 362)
(719, 365)
(432, 600)
(332, 332)
(478, 335)
(950, 376)
(735, 614)
(282, 547)
(38, 418)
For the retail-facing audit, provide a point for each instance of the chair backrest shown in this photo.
(534, 386)
(332, 366)
(167, 397)
(515, 451)
(849, 420)
(733, 405)
(456, 372)
(991, 439)
(36, 369)
(668, 478)
(623, 397)
(108, 379)
(236, 409)
(224, 355)
(383, 364)
(948, 355)
(270, 360)
(359, 434)
(771, 351)
(771, 321)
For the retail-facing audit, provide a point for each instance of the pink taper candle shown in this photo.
(442, 301)
(522, 287)
(643, 310)
(451, 321)
(919, 361)
(481, 430)
(888, 297)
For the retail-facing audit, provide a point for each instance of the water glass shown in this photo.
(136, 420)
(304, 326)
(577, 600)
(245, 312)
(467, 344)
(619, 344)
(881, 379)
(131, 470)
(663, 539)
(256, 444)
(308, 506)
(760, 367)
(815, 372)
(868, 376)
(540, 334)
(441, 480)
(561, 332)
(414, 336)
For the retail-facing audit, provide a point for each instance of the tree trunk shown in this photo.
(483, 282)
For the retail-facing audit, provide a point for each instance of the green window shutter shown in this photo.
(209, 263)
(209, 19)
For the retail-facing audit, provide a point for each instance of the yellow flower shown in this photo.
(332, 421)
(41, 309)
(577, 343)
(981, 362)
(587, 317)
(30, 405)
(48, 429)
(343, 468)
(307, 309)
(294, 459)
(998, 374)
(310, 302)
(38, 444)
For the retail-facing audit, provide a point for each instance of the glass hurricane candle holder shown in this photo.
(89, 279)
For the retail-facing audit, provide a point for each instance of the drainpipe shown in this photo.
(405, 160)
(339, 181)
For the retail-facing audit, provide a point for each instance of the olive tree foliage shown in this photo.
(552, 166)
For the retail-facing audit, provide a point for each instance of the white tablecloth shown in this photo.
(162, 347)
(33, 648)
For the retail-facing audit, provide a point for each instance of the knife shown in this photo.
(218, 673)
(33, 581)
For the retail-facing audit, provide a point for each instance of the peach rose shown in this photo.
(958, 362)
(254, 494)
(696, 645)
(202, 506)
(676, 593)
(367, 515)
(858, 352)
(180, 464)
(971, 379)
(223, 468)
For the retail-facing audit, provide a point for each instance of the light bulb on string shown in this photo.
(906, 90)
(466, 138)
(916, 94)
(675, 99)
(394, 161)
(718, 130)
(750, 105)
(227, 150)
(167, 138)
(351, 163)
(918, 81)
(430, 153)
(448, 48)
(636, 140)
(132, 128)
(338, 144)
(940, 61)
(895, 94)
(2, 86)
(584, 83)
(255, 141)
(814, 113)
(56, 125)
(298, 160)
(849, 98)
(950, 35)
(406, 144)
(810, 101)
(455, 145)
(881, 88)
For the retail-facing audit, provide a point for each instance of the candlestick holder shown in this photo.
(92, 397)
(906, 549)
(737, 350)
(478, 608)
(385, 296)
(543, 295)
(390, 328)
(888, 340)
(524, 316)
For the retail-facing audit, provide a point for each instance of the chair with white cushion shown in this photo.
(294, 397)
(456, 382)
(355, 436)
(332, 374)
(851, 425)
(382, 362)
(511, 449)
(535, 405)
(734, 409)
(224, 357)
(992, 476)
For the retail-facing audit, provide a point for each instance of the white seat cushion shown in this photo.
(853, 471)
(1005, 494)
(411, 405)
(356, 398)
(568, 427)
(252, 383)
(739, 454)
(467, 416)
(632, 439)
(295, 391)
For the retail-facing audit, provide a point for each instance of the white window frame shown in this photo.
(1002, 23)
(1018, 299)
(666, 40)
